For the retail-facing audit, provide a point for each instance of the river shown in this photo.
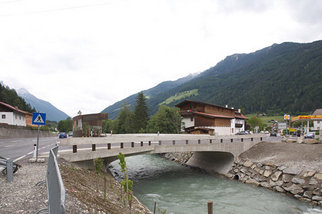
(180, 190)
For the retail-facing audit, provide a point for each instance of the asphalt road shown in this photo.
(17, 148)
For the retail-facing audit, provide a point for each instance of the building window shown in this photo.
(3, 116)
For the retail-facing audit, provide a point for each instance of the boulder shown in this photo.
(313, 181)
(294, 189)
(287, 178)
(267, 173)
(265, 184)
(252, 181)
(318, 176)
(317, 198)
(276, 175)
(292, 170)
(307, 194)
(279, 189)
(309, 174)
(296, 180)
(248, 163)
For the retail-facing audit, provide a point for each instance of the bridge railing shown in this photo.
(142, 140)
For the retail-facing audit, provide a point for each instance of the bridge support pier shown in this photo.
(212, 162)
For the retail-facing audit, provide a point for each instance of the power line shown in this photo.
(54, 10)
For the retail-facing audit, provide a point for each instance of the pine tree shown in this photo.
(140, 113)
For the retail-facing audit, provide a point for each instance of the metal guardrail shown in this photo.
(55, 185)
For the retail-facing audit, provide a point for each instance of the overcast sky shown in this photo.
(87, 54)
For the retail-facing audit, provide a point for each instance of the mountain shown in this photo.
(282, 78)
(10, 96)
(52, 113)
(114, 110)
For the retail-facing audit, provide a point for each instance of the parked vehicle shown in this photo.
(62, 135)
(310, 135)
(273, 134)
(241, 133)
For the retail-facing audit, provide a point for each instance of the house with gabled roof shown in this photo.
(10, 115)
(205, 118)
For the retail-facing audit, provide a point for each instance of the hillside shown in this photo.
(10, 96)
(52, 113)
(114, 110)
(281, 78)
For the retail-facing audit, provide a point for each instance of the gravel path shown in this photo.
(26, 195)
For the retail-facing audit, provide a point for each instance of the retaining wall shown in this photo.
(21, 132)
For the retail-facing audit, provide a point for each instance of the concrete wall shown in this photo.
(20, 132)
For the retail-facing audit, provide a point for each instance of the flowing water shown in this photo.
(178, 189)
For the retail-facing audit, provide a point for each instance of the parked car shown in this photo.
(241, 133)
(273, 134)
(62, 135)
(70, 134)
(310, 135)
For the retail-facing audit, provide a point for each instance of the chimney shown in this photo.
(239, 110)
(226, 106)
(232, 107)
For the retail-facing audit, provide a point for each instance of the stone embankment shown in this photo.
(304, 185)
(290, 168)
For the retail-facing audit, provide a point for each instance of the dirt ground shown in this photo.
(304, 156)
(88, 187)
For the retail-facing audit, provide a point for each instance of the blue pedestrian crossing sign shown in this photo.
(38, 118)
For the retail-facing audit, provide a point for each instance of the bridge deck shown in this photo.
(110, 146)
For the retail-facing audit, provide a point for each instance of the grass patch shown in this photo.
(180, 96)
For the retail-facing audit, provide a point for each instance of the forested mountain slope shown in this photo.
(281, 78)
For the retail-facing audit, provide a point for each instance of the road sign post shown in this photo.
(38, 119)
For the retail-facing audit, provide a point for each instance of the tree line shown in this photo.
(165, 120)
(11, 97)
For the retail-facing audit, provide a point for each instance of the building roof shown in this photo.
(213, 115)
(318, 112)
(13, 108)
(197, 102)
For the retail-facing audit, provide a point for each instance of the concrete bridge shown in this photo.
(213, 153)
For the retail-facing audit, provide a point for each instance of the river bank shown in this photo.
(290, 168)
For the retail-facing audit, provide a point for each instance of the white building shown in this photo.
(10, 115)
(205, 118)
(317, 124)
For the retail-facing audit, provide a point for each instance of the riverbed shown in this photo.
(178, 189)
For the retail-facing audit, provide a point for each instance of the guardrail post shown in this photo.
(173, 142)
(251, 139)
(231, 140)
(74, 148)
(93, 147)
(210, 141)
(261, 139)
(221, 140)
(199, 141)
(108, 146)
(210, 206)
(186, 141)
(121, 145)
(10, 170)
(159, 142)
(149, 143)
(141, 143)
(242, 139)
(132, 144)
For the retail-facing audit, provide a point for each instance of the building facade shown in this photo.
(88, 125)
(204, 118)
(11, 115)
(317, 124)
